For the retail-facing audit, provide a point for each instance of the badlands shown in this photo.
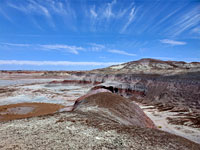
(141, 105)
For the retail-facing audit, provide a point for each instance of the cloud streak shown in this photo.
(16, 45)
(93, 12)
(172, 42)
(121, 52)
(6, 15)
(108, 10)
(58, 47)
(96, 47)
(185, 22)
(65, 48)
(47, 9)
(130, 20)
(31, 7)
(55, 63)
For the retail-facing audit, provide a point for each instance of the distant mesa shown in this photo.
(151, 66)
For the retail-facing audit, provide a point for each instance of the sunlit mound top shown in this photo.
(115, 108)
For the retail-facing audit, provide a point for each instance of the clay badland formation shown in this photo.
(99, 109)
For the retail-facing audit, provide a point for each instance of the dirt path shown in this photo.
(160, 120)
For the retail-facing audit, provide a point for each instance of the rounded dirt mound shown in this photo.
(116, 108)
(26, 110)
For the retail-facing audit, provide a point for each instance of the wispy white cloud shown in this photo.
(108, 10)
(16, 45)
(31, 7)
(63, 8)
(121, 52)
(196, 30)
(43, 9)
(47, 8)
(93, 12)
(57, 7)
(121, 13)
(172, 42)
(6, 15)
(96, 47)
(130, 19)
(55, 63)
(58, 47)
(173, 13)
(68, 48)
(65, 48)
(101, 16)
(185, 22)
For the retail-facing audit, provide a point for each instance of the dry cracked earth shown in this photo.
(142, 105)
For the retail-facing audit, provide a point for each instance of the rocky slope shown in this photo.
(91, 126)
(167, 85)
(115, 108)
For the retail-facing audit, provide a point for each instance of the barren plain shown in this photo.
(146, 104)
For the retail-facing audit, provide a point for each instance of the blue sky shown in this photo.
(88, 34)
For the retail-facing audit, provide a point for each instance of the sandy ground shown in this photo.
(159, 118)
(75, 131)
(31, 91)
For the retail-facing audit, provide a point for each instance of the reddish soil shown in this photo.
(12, 111)
(118, 106)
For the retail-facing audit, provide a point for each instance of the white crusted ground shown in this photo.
(117, 67)
(45, 93)
(159, 118)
